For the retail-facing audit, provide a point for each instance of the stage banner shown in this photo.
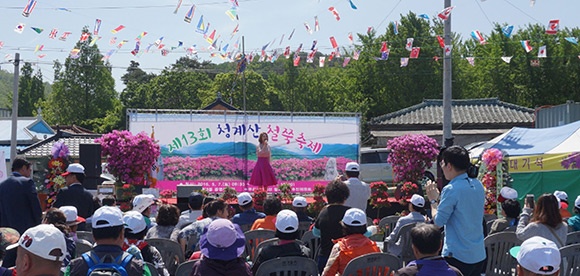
(544, 162)
(218, 149)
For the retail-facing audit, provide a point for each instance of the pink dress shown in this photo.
(263, 174)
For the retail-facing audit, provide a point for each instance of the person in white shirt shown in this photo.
(360, 192)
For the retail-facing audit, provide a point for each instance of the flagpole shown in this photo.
(447, 78)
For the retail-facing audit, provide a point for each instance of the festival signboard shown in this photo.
(217, 149)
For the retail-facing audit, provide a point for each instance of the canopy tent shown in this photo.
(541, 160)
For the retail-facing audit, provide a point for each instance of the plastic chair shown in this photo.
(171, 252)
(255, 237)
(373, 264)
(311, 242)
(82, 246)
(387, 224)
(499, 260)
(246, 227)
(404, 235)
(87, 236)
(570, 260)
(303, 227)
(288, 266)
(272, 241)
(573, 238)
(184, 269)
(152, 268)
(488, 225)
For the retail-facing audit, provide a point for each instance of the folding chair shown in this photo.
(311, 242)
(184, 269)
(497, 247)
(171, 252)
(255, 237)
(288, 266)
(570, 260)
(573, 238)
(373, 264)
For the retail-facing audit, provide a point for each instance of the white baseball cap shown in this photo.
(107, 216)
(244, 198)
(538, 255)
(418, 200)
(352, 167)
(561, 195)
(287, 221)
(44, 241)
(507, 193)
(141, 202)
(354, 217)
(134, 222)
(71, 214)
(74, 168)
(577, 202)
(299, 201)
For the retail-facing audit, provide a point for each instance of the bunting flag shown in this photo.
(97, 27)
(424, 16)
(64, 36)
(164, 52)
(350, 39)
(345, 62)
(404, 62)
(507, 31)
(542, 52)
(298, 50)
(37, 30)
(336, 52)
(242, 64)
(141, 36)
(137, 46)
(308, 29)
(113, 40)
(94, 40)
(356, 55)
(415, 52)
(384, 47)
(296, 60)
(53, 33)
(445, 13)
(225, 48)
(526, 45)
(235, 3)
(38, 48)
(572, 40)
(178, 5)
(74, 53)
(385, 55)
(441, 41)
(506, 59)
(1, 44)
(84, 37)
(535, 63)
(471, 60)
(553, 27)
(287, 52)
(313, 45)
(191, 51)
(19, 28)
(310, 57)
(118, 29)
(189, 14)
(291, 34)
(396, 27)
(333, 42)
(237, 29)
(28, 8)
(8, 57)
(316, 25)
(200, 26)
(161, 46)
(335, 13)
(237, 44)
(369, 29)
(409, 45)
(321, 61)
(232, 14)
(478, 36)
(41, 55)
(447, 50)
(331, 56)
(211, 37)
(352, 5)
(122, 43)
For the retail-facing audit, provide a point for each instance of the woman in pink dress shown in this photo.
(263, 174)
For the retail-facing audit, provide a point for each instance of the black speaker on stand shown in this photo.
(90, 158)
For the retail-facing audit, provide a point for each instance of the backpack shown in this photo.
(98, 267)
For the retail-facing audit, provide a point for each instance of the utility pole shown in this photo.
(13, 140)
(245, 115)
(447, 95)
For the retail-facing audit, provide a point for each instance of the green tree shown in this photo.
(30, 90)
(134, 95)
(176, 89)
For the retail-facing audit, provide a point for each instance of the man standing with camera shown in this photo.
(460, 210)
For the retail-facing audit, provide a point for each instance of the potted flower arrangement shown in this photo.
(319, 202)
(408, 189)
(379, 196)
(492, 160)
(229, 193)
(56, 166)
(410, 155)
(168, 193)
(259, 197)
(285, 192)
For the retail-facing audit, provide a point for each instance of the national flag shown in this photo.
(94, 40)
(308, 29)
(64, 36)
(335, 13)
(404, 62)
(97, 26)
(441, 41)
(542, 52)
(113, 40)
(345, 62)
(296, 60)
(526, 45)
(507, 31)
(471, 60)
(506, 59)
(336, 52)
(369, 29)
(211, 37)
(28, 8)
(445, 13)
(396, 27)
(321, 61)
(384, 47)
(189, 14)
(287, 52)
(191, 51)
(137, 46)
(164, 52)
(37, 30)
(572, 40)
(141, 36)
(352, 5)
(108, 54)
(237, 29)
(478, 36)
(291, 34)
(53, 33)
(447, 50)
(409, 45)
(200, 26)
(424, 16)
(313, 45)
(298, 50)
(118, 29)
(415, 52)
(1, 44)
(225, 48)
(281, 39)
(235, 3)
(232, 14)
(20, 28)
(178, 5)
(535, 63)
(350, 39)
(356, 55)
(333, 42)
(316, 25)
(310, 57)
(331, 56)
(553, 27)
(384, 55)
(84, 37)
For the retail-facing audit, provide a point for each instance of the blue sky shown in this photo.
(260, 22)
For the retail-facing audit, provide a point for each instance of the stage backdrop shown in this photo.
(217, 149)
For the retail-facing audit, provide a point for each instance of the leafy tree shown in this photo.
(176, 89)
(30, 90)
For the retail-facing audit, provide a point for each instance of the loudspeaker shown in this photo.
(90, 158)
(183, 192)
